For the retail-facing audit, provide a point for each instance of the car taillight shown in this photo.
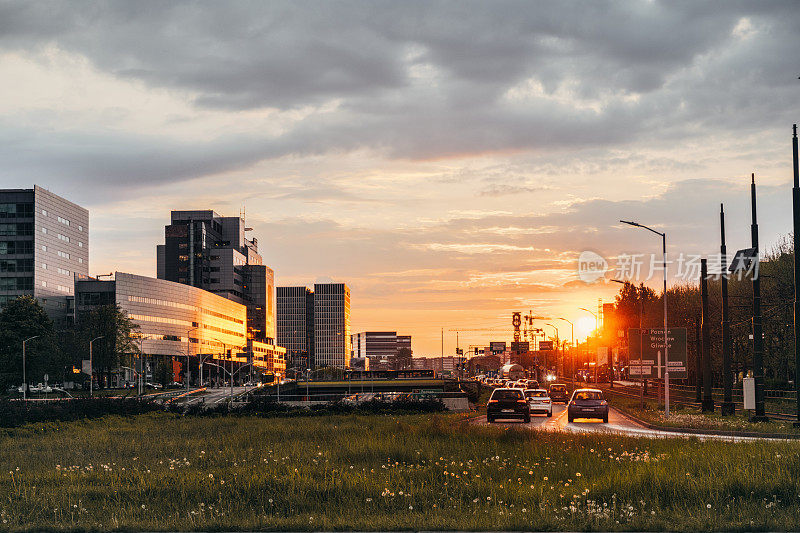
(492, 401)
(522, 401)
(546, 400)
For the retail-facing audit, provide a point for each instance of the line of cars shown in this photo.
(517, 402)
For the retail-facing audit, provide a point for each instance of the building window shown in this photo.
(183, 258)
(65, 255)
(63, 271)
(80, 228)
(63, 221)
(44, 284)
(80, 244)
(63, 237)
(44, 212)
(80, 260)
(44, 266)
(44, 230)
(44, 247)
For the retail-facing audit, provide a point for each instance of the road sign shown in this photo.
(654, 352)
(520, 347)
(602, 355)
(545, 345)
(497, 347)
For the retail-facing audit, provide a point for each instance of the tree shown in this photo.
(117, 343)
(21, 319)
(403, 359)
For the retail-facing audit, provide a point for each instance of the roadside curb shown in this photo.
(694, 431)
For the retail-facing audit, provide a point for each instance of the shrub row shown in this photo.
(16, 413)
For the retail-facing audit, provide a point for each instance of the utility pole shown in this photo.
(796, 238)
(441, 357)
(91, 366)
(698, 363)
(728, 407)
(24, 375)
(758, 332)
(708, 399)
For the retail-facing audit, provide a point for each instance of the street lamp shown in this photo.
(571, 349)
(188, 352)
(666, 343)
(596, 326)
(91, 365)
(24, 376)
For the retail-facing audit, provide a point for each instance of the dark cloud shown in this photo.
(428, 80)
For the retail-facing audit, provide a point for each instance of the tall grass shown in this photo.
(163, 472)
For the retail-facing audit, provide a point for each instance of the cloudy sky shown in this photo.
(448, 160)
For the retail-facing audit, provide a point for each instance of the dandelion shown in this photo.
(708, 506)
(545, 478)
(577, 474)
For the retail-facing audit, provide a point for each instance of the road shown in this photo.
(212, 397)
(617, 424)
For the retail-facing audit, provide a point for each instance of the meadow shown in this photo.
(161, 471)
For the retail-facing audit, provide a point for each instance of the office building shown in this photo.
(205, 250)
(332, 325)
(44, 243)
(296, 325)
(314, 326)
(380, 347)
(175, 319)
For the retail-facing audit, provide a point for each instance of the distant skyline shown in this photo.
(449, 161)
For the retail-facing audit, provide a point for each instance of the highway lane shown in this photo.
(617, 424)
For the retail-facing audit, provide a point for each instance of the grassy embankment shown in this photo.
(689, 417)
(163, 472)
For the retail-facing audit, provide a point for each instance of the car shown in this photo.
(539, 401)
(533, 384)
(507, 403)
(587, 403)
(559, 393)
(520, 384)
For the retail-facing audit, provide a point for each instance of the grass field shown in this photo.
(164, 472)
(690, 417)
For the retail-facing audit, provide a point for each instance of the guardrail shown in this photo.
(681, 395)
(364, 396)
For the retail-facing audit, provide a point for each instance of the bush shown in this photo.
(16, 413)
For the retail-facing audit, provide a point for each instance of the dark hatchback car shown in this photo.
(587, 403)
(559, 393)
(508, 403)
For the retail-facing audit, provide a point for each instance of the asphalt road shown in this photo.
(215, 396)
(617, 423)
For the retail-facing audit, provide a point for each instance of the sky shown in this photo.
(449, 161)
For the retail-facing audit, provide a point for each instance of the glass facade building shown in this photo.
(44, 244)
(205, 250)
(174, 318)
(296, 325)
(332, 325)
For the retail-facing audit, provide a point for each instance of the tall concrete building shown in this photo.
(296, 325)
(314, 326)
(211, 252)
(44, 243)
(332, 325)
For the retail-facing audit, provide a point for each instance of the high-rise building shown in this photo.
(211, 252)
(44, 243)
(296, 325)
(332, 325)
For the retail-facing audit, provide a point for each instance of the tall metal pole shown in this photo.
(758, 334)
(24, 373)
(728, 407)
(708, 399)
(698, 364)
(796, 237)
(441, 359)
(666, 343)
